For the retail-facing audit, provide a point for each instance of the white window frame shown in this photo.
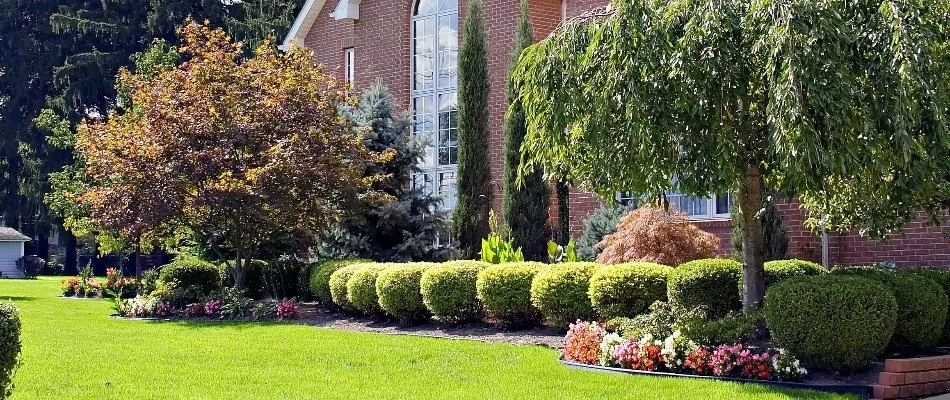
(625, 198)
(349, 65)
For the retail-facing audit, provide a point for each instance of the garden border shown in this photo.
(864, 391)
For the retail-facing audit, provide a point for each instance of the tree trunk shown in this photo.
(563, 213)
(138, 256)
(240, 271)
(753, 249)
(70, 261)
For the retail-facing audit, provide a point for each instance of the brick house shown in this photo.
(411, 46)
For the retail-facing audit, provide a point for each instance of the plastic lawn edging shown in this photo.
(864, 391)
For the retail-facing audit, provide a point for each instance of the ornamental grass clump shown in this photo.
(656, 235)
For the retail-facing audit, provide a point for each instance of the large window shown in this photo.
(696, 208)
(434, 99)
(349, 64)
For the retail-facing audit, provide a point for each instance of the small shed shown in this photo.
(12, 247)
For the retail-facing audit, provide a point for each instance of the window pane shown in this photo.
(446, 5)
(448, 189)
(723, 204)
(689, 205)
(424, 126)
(423, 181)
(426, 7)
(448, 50)
(448, 125)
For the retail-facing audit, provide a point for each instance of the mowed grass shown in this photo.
(73, 350)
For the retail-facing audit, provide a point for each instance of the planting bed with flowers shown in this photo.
(226, 307)
(590, 343)
(81, 286)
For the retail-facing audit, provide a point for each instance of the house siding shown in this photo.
(381, 39)
(9, 253)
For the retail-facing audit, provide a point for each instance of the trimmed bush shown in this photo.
(711, 284)
(505, 293)
(830, 321)
(187, 272)
(560, 293)
(942, 277)
(361, 288)
(320, 277)
(921, 306)
(449, 290)
(780, 270)
(627, 290)
(399, 291)
(9, 346)
(338, 280)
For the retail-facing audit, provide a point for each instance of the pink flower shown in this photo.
(288, 309)
(582, 342)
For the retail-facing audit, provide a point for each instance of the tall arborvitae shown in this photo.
(774, 231)
(408, 228)
(525, 206)
(470, 220)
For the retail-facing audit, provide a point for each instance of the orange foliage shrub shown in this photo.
(656, 235)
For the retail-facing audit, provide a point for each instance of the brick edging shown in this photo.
(913, 377)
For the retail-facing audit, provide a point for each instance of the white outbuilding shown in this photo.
(12, 247)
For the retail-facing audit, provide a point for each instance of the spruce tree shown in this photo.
(408, 228)
(470, 220)
(525, 206)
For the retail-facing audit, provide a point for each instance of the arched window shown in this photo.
(434, 95)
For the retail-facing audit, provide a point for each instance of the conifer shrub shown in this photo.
(449, 290)
(320, 277)
(338, 281)
(361, 288)
(399, 289)
(560, 293)
(505, 293)
(627, 290)
(598, 225)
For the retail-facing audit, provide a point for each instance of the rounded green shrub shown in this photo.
(361, 288)
(10, 346)
(942, 277)
(399, 291)
(448, 290)
(627, 290)
(780, 270)
(711, 284)
(338, 280)
(186, 272)
(560, 293)
(830, 321)
(505, 293)
(921, 306)
(320, 278)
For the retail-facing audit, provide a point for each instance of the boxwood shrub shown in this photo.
(710, 283)
(320, 277)
(942, 277)
(921, 306)
(186, 272)
(361, 288)
(505, 293)
(399, 291)
(338, 280)
(627, 290)
(830, 321)
(560, 293)
(9, 346)
(449, 290)
(780, 270)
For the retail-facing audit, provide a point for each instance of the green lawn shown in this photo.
(73, 350)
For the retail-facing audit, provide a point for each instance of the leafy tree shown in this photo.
(774, 232)
(844, 103)
(470, 220)
(236, 150)
(526, 205)
(407, 229)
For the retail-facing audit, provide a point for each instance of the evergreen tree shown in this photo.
(259, 19)
(407, 229)
(774, 231)
(470, 220)
(563, 212)
(526, 205)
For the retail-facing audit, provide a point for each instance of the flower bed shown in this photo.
(223, 309)
(589, 345)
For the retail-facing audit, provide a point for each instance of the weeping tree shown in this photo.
(525, 206)
(843, 103)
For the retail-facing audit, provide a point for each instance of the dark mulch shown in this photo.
(317, 315)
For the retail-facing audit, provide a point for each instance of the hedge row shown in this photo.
(526, 293)
(10, 345)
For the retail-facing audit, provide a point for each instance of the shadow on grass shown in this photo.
(17, 298)
(205, 323)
